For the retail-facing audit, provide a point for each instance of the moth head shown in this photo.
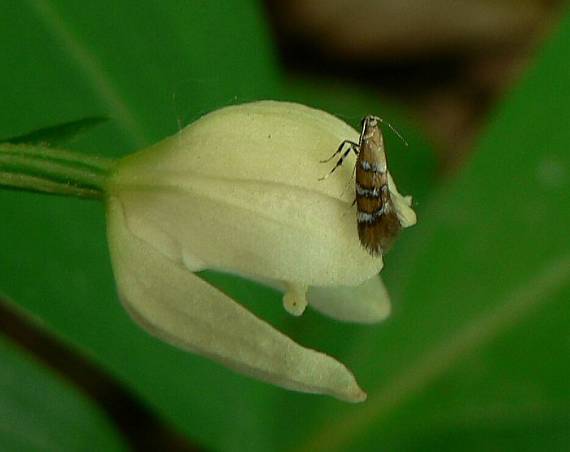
(371, 121)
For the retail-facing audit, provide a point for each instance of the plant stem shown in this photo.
(56, 171)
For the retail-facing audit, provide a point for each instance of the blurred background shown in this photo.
(475, 355)
(448, 62)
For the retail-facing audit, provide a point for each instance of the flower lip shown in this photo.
(179, 307)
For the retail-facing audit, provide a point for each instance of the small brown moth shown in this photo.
(377, 221)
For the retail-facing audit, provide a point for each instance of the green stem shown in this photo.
(56, 171)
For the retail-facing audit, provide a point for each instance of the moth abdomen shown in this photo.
(377, 222)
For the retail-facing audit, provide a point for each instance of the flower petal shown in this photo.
(402, 204)
(266, 141)
(255, 229)
(367, 303)
(179, 307)
(247, 177)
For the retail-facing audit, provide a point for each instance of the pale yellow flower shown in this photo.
(238, 191)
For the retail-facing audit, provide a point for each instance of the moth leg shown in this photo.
(339, 150)
(353, 147)
(349, 181)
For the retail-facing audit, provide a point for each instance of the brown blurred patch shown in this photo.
(448, 60)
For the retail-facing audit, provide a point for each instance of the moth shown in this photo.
(377, 221)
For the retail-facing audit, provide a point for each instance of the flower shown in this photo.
(238, 191)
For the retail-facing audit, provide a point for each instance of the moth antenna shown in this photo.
(398, 134)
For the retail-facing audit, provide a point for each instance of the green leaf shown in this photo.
(57, 134)
(150, 69)
(475, 356)
(39, 411)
